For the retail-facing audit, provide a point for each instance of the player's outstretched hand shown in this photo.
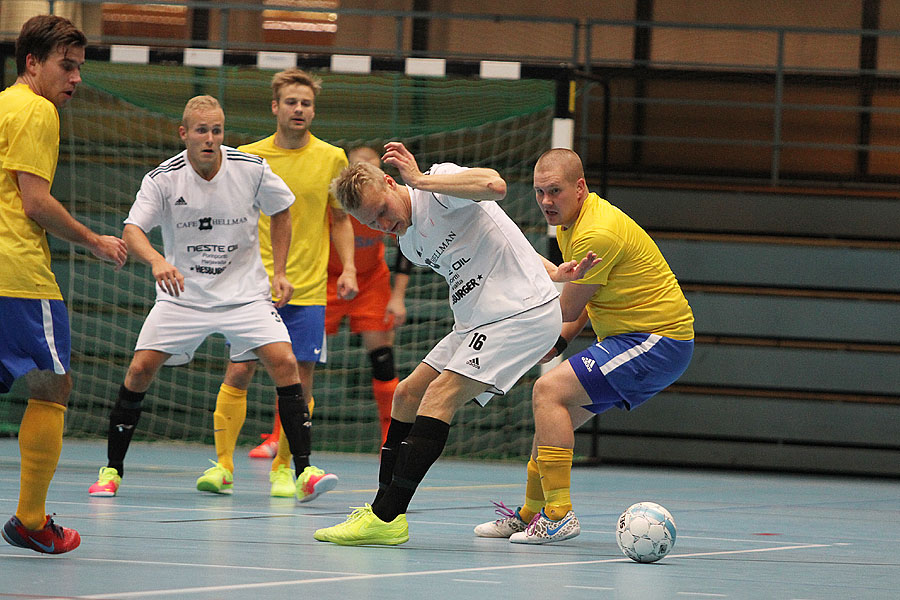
(110, 248)
(397, 155)
(282, 289)
(572, 270)
(168, 278)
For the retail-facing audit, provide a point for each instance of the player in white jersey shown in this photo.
(502, 298)
(207, 201)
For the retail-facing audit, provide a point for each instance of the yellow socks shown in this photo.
(40, 443)
(284, 451)
(534, 493)
(231, 410)
(555, 465)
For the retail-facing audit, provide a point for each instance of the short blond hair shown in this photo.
(199, 103)
(562, 160)
(349, 185)
(291, 76)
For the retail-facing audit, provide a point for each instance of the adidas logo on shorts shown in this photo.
(588, 363)
(473, 363)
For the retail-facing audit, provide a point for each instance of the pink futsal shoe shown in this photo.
(50, 539)
(107, 484)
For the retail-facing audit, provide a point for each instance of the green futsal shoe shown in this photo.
(363, 527)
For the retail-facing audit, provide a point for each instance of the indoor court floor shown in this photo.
(741, 535)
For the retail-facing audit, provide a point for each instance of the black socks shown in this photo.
(421, 448)
(295, 422)
(122, 420)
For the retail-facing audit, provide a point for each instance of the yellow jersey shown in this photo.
(29, 142)
(639, 292)
(308, 171)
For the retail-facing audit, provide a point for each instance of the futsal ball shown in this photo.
(645, 532)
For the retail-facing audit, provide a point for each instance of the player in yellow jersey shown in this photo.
(645, 339)
(34, 324)
(307, 164)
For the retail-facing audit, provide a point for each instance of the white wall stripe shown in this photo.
(624, 357)
(351, 63)
(138, 55)
(203, 57)
(277, 61)
(426, 67)
(47, 318)
(500, 69)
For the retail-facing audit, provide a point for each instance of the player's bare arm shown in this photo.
(573, 298)
(40, 206)
(396, 306)
(280, 233)
(569, 332)
(167, 276)
(473, 184)
(342, 236)
(571, 270)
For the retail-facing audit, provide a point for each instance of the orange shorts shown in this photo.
(366, 310)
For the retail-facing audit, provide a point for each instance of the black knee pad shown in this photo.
(383, 363)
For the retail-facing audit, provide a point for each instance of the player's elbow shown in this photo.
(496, 187)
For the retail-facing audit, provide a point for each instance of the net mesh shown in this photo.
(123, 122)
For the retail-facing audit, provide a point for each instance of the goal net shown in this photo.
(123, 122)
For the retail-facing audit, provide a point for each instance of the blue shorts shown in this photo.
(626, 370)
(34, 334)
(306, 324)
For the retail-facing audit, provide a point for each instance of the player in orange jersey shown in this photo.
(378, 309)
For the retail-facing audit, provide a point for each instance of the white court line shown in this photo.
(160, 563)
(589, 587)
(374, 576)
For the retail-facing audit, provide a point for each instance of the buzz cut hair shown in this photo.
(41, 35)
(348, 187)
(196, 103)
(294, 76)
(563, 160)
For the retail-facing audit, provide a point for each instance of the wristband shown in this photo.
(560, 345)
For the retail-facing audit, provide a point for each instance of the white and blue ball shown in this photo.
(645, 532)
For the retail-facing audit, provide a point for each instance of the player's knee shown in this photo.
(240, 374)
(545, 392)
(49, 386)
(404, 397)
(140, 375)
(382, 363)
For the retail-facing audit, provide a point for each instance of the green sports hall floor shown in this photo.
(740, 535)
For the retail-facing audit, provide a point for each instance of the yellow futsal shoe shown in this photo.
(282, 480)
(363, 527)
(216, 479)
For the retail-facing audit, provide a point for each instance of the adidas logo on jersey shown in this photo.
(473, 363)
(181, 201)
(588, 363)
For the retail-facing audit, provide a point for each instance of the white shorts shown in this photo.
(178, 330)
(499, 353)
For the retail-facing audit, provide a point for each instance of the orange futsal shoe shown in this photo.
(269, 447)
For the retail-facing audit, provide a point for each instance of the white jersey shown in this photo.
(210, 228)
(491, 268)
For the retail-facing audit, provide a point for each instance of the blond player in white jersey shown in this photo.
(207, 202)
(502, 297)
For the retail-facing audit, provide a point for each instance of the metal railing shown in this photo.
(846, 102)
